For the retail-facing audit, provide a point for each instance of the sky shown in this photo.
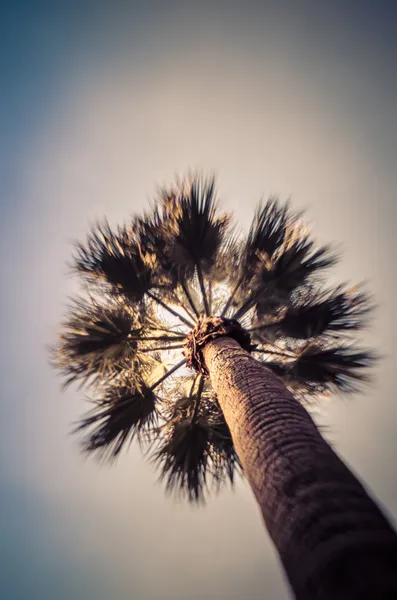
(100, 103)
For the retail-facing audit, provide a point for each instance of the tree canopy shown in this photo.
(148, 284)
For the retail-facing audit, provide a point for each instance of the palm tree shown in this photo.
(204, 346)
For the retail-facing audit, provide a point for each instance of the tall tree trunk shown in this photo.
(332, 539)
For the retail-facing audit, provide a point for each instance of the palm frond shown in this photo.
(278, 368)
(101, 341)
(169, 309)
(224, 462)
(269, 229)
(183, 457)
(153, 232)
(200, 405)
(195, 230)
(297, 263)
(321, 370)
(114, 258)
(181, 397)
(193, 303)
(98, 341)
(333, 368)
(314, 315)
(127, 409)
(228, 259)
(166, 374)
(277, 279)
(162, 348)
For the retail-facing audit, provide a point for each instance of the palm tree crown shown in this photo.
(157, 288)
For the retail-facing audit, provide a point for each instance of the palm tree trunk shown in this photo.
(332, 539)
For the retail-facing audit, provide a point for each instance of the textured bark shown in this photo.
(332, 539)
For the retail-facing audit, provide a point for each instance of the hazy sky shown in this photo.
(98, 106)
